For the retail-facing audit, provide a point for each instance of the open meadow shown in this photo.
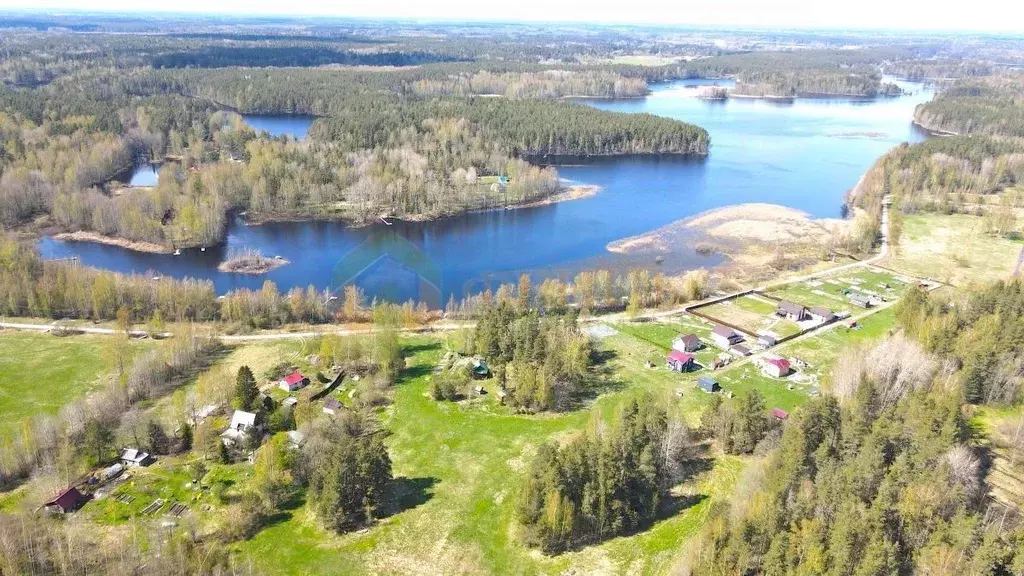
(954, 249)
(40, 373)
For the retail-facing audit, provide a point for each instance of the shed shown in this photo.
(792, 311)
(739, 350)
(67, 501)
(708, 384)
(133, 457)
(686, 343)
(480, 369)
(862, 300)
(292, 382)
(823, 315)
(780, 414)
(679, 361)
(767, 340)
(295, 439)
(502, 394)
(332, 405)
(111, 472)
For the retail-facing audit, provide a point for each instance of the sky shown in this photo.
(970, 15)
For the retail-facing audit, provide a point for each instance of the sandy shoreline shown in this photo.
(97, 238)
(752, 223)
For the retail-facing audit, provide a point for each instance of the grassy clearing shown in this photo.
(1000, 426)
(821, 350)
(832, 291)
(736, 314)
(459, 468)
(754, 314)
(954, 249)
(40, 373)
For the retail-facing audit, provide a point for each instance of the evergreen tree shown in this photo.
(246, 391)
(158, 442)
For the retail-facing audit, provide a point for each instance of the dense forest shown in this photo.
(603, 484)
(992, 105)
(853, 486)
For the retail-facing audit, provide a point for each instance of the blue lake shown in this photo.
(804, 154)
(296, 126)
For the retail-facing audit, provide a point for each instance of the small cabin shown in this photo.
(132, 457)
(780, 414)
(67, 501)
(480, 369)
(862, 300)
(708, 384)
(292, 382)
(679, 361)
(332, 405)
(739, 350)
(777, 367)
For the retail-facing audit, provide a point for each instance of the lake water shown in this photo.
(804, 154)
(141, 175)
(296, 126)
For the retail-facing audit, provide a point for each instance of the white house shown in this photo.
(241, 422)
(725, 337)
(133, 457)
(687, 343)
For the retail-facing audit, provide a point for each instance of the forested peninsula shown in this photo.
(377, 149)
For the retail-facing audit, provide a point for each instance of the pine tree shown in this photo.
(246, 391)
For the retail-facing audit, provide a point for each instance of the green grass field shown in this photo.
(459, 467)
(954, 249)
(831, 291)
(40, 373)
(754, 314)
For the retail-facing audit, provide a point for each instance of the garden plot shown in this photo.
(753, 314)
(833, 292)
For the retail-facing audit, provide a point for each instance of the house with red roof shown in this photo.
(777, 367)
(679, 361)
(67, 501)
(780, 414)
(292, 382)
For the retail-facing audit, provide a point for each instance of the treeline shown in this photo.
(603, 484)
(527, 85)
(863, 488)
(541, 362)
(280, 56)
(953, 174)
(531, 128)
(939, 68)
(979, 106)
(805, 83)
(980, 332)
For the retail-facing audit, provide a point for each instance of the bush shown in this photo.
(449, 385)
